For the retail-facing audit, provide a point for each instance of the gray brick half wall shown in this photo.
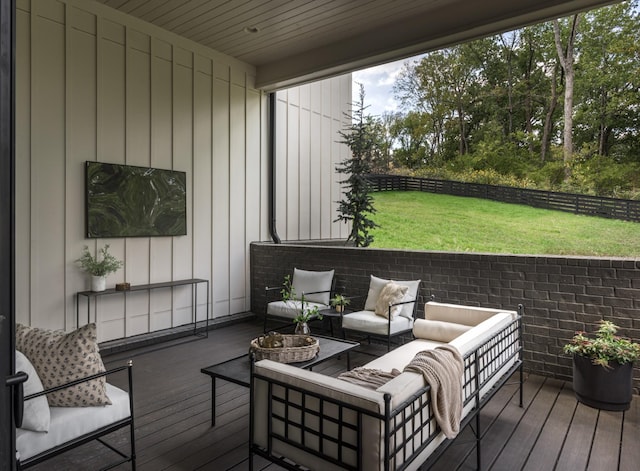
(560, 294)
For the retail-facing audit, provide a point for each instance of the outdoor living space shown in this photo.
(174, 432)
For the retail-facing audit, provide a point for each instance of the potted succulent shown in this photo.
(99, 266)
(603, 367)
(339, 302)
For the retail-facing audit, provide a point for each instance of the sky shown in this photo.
(378, 84)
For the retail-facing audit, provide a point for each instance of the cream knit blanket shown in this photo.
(442, 368)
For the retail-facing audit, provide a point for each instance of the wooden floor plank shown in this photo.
(630, 449)
(547, 448)
(173, 414)
(605, 451)
(575, 449)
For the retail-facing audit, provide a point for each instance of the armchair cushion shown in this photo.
(311, 282)
(290, 309)
(391, 293)
(377, 284)
(36, 414)
(369, 322)
(60, 357)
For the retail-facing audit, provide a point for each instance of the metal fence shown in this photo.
(627, 210)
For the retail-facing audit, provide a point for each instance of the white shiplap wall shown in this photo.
(307, 152)
(95, 84)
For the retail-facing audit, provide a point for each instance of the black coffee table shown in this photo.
(238, 370)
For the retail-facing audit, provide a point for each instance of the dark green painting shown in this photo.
(128, 201)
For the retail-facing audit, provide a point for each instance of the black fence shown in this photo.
(627, 210)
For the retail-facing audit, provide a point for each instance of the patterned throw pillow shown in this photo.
(391, 293)
(60, 357)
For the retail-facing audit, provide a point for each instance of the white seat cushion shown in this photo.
(312, 281)
(290, 309)
(369, 322)
(68, 423)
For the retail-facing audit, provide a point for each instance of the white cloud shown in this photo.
(378, 86)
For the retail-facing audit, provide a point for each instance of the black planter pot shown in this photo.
(603, 388)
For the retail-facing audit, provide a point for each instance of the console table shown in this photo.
(194, 282)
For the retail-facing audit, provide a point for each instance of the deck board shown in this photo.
(173, 414)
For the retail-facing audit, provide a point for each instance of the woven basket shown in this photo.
(295, 348)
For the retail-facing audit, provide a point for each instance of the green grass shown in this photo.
(426, 221)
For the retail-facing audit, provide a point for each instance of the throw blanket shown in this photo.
(368, 377)
(442, 368)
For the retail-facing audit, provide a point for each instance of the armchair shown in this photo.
(315, 286)
(389, 310)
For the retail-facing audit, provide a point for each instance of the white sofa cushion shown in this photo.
(36, 414)
(369, 322)
(290, 309)
(68, 423)
(401, 356)
(440, 331)
(377, 284)
(466, 315)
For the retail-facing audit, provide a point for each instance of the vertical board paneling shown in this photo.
(293, 172)
(304, 170)
(111, 147)
(237, 245)
(221, 216)
(282, 120)
(81, 120)
(138, 152)
(23, 168)
(161, 248)
(202, 188)
(253, 177)
(48, 168)
(183, 161)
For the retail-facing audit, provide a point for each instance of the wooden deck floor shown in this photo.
(173, 406)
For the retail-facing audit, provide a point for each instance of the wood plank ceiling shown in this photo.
(296, 41)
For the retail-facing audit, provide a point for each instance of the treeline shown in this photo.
(553, 106)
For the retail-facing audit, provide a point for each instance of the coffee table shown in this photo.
(238, 370)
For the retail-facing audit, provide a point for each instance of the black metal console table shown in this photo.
(194, 282)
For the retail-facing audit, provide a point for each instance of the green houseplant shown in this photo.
(339, 302)
(99, 266)
(603, 367)
(306, 313)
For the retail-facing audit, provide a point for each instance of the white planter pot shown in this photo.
(98, 283)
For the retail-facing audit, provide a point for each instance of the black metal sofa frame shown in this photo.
(481, 366)
(94, 435)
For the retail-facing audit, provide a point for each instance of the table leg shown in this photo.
(213, 401)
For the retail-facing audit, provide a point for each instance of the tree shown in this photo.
(357, 204)
(567, 57)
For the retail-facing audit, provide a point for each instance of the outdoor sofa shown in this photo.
(304, 418)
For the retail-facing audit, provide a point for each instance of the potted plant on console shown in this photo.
(603, 367)
(99, 266)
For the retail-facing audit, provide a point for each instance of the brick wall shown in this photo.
(560, 294)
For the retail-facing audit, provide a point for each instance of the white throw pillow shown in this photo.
(391, 293)
(36, 415)
(305, 281)
(375, 286)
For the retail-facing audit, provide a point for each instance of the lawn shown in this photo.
(427, 221)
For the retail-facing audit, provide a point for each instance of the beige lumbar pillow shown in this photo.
(391, 293)
(60, 357)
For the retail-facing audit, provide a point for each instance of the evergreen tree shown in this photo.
(357, 204)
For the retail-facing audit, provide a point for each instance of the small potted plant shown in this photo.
(339, 302)
(603, 367)
(306, 313)
(99, 266)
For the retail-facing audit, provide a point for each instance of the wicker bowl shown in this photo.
(295, 348)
